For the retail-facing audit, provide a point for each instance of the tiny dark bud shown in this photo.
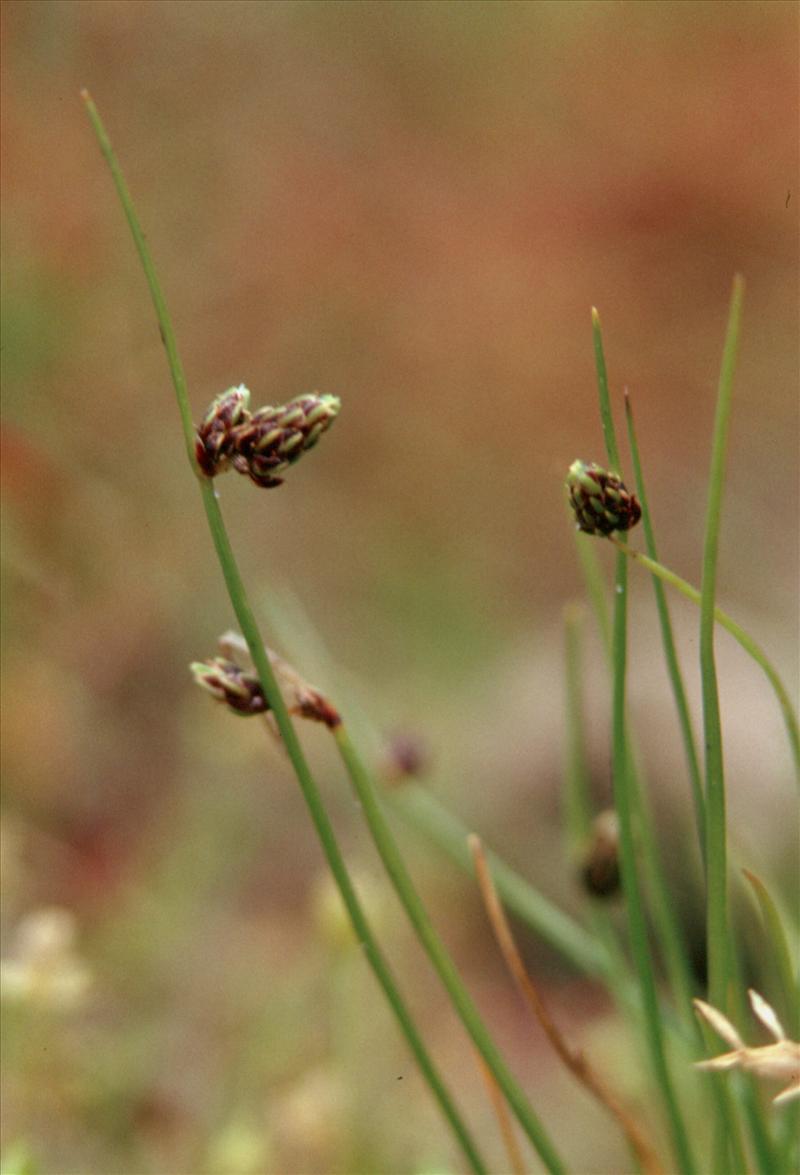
(404, 757)
(600, 500)
(600, 868)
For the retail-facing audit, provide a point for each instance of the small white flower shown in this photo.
(779, 1061)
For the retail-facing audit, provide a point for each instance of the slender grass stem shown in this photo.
(663, 909)
(578, 803)
(423, 812)
(505, 1122)
(637, 923)
(577, 797)
(728, 1133)
(668, 931)
(437, 952)
(779, 953)
(572, 1058)
(664, 917)
(426, 815)
(717, 916)
(606, 415)
(745, 640)
(625, 801)
(668, 642)
(247, 623)
(595, 585)
(156, 293)
(669, 936)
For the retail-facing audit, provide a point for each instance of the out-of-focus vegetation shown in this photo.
(412, 206)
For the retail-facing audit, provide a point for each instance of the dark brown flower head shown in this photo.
(224, 680)
(214, 437)
(272, 439)
(600, 499)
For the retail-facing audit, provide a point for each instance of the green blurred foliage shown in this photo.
(411, 205)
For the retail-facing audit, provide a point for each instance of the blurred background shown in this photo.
(413, 206)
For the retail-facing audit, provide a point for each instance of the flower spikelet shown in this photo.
(305, 700)
(225, 681)
(214, 437)
(600, 499)
(779, 1061)
(272, 439)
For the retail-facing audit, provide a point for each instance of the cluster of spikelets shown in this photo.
(600, 500)
(261, 444)
(240, 689)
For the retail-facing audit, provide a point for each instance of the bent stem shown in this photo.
(424, 812)
(737, 632)
(437, 952)
(572, 1059)
(247, 623)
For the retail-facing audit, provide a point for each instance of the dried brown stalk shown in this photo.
(572, 1058)
(503, 1117)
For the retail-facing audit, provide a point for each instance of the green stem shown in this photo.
(629, 805)
(437, 952)
(668, 641)
(717, 919)
(668, 931)
(579, 811)
(577, 795)
(156, 293)
(663, 909)
(640, 947)
(606, 415)
(745, 640)
(247, 623)
(423, 812)
(778, 953)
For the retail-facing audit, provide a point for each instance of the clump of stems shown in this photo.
(252, 680)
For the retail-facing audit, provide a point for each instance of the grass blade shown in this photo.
(745, 640)
(717, 919)
(427, 815)
(780, 953)
(625, 803)
(606, 415)
(668, 642)
(247, 623)
(437, 953)
(578, 802)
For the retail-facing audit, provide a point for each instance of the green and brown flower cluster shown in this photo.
(240, 690)
(262, 444)
(601, 501)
